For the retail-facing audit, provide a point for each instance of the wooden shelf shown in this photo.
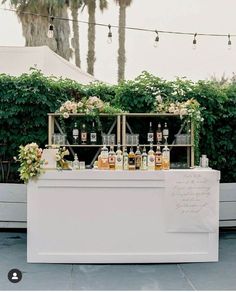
(127, 145)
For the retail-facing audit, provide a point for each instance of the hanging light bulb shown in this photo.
(156, 39)
(195, 41)
(229, 42)
(50, 33)
(109, 36)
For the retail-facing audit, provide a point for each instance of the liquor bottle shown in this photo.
(150, 135)
(138, 160)
(151, 158)
(144, 159)
(159, 133)
(125, 159)
(93, 135)
(166, 158)
(75, 133)
(131, 159)
(75, 163)
(158, 158)
(83, 135)
(104, 165)
(165, 133)
(119, 158)
(112, 158)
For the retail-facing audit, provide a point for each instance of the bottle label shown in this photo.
(119, 159)
(151, 160)
(158, 160)
(138, 162)
(165, 132)
(126, 162)
(159, 136)
(150, 137)
(84, 136)
(111, 160)
(144, 163)
(75, 132)
(93, 137)
(131, 161)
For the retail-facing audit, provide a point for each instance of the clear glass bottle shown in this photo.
(119, 158)
(125, 159)
(131, 157)
(75, 133)
(165, 157)
(165, 133)
(151, 158)
(112, 158)
(138, 159)
(93, 135)
(159, 134)
(84, 135)
(158, 158)
(144, 159)
(75, 163)
(150, 134)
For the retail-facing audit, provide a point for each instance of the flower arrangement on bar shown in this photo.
(191, 108)
(92, 105)
(60, 158)
(30, 161)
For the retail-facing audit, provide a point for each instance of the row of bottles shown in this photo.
(161, 135)
(138, 160)
(84, 137)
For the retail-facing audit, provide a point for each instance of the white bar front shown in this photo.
(94, 216)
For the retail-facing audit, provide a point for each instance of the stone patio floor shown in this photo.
(190, 276)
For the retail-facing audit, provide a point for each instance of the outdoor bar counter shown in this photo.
(95, 216)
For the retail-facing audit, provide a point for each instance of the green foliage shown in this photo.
(26, 100)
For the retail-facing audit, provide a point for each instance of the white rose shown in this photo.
(171, 109)
(79, 104)
(176, 112)
(66, 115)
(183, 111)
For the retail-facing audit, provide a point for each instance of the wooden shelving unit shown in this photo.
(121, 123)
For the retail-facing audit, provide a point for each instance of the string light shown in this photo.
(50, 33)
(109, 36)
(229, 42)
(195, 41)
(51, 28)
(156, 39)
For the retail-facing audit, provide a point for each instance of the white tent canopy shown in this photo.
(18, 60)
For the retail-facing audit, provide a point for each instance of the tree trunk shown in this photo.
(75, 26)
(91, 37)
(35, 29)
(121, 51)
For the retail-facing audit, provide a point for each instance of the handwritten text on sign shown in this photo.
(191, 201)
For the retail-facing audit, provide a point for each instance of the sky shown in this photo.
(174, 55)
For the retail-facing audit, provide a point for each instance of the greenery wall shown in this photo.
(26, 100)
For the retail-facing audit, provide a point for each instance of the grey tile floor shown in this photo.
(192, 276)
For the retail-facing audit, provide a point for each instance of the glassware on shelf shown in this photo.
(82, 165)
(182, 139)
(132, 139)
(108, 139)
(59, 139)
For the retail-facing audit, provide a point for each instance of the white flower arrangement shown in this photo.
(190, 107)
(30, 161)
(92, 105)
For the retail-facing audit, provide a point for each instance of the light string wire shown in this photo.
(116, 26)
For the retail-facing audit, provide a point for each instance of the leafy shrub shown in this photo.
(26, 100)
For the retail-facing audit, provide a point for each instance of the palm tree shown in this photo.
(75, 5)
(121, 51)
(35, 27)
(91, 6)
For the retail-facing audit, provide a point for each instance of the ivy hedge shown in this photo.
(26, 100)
